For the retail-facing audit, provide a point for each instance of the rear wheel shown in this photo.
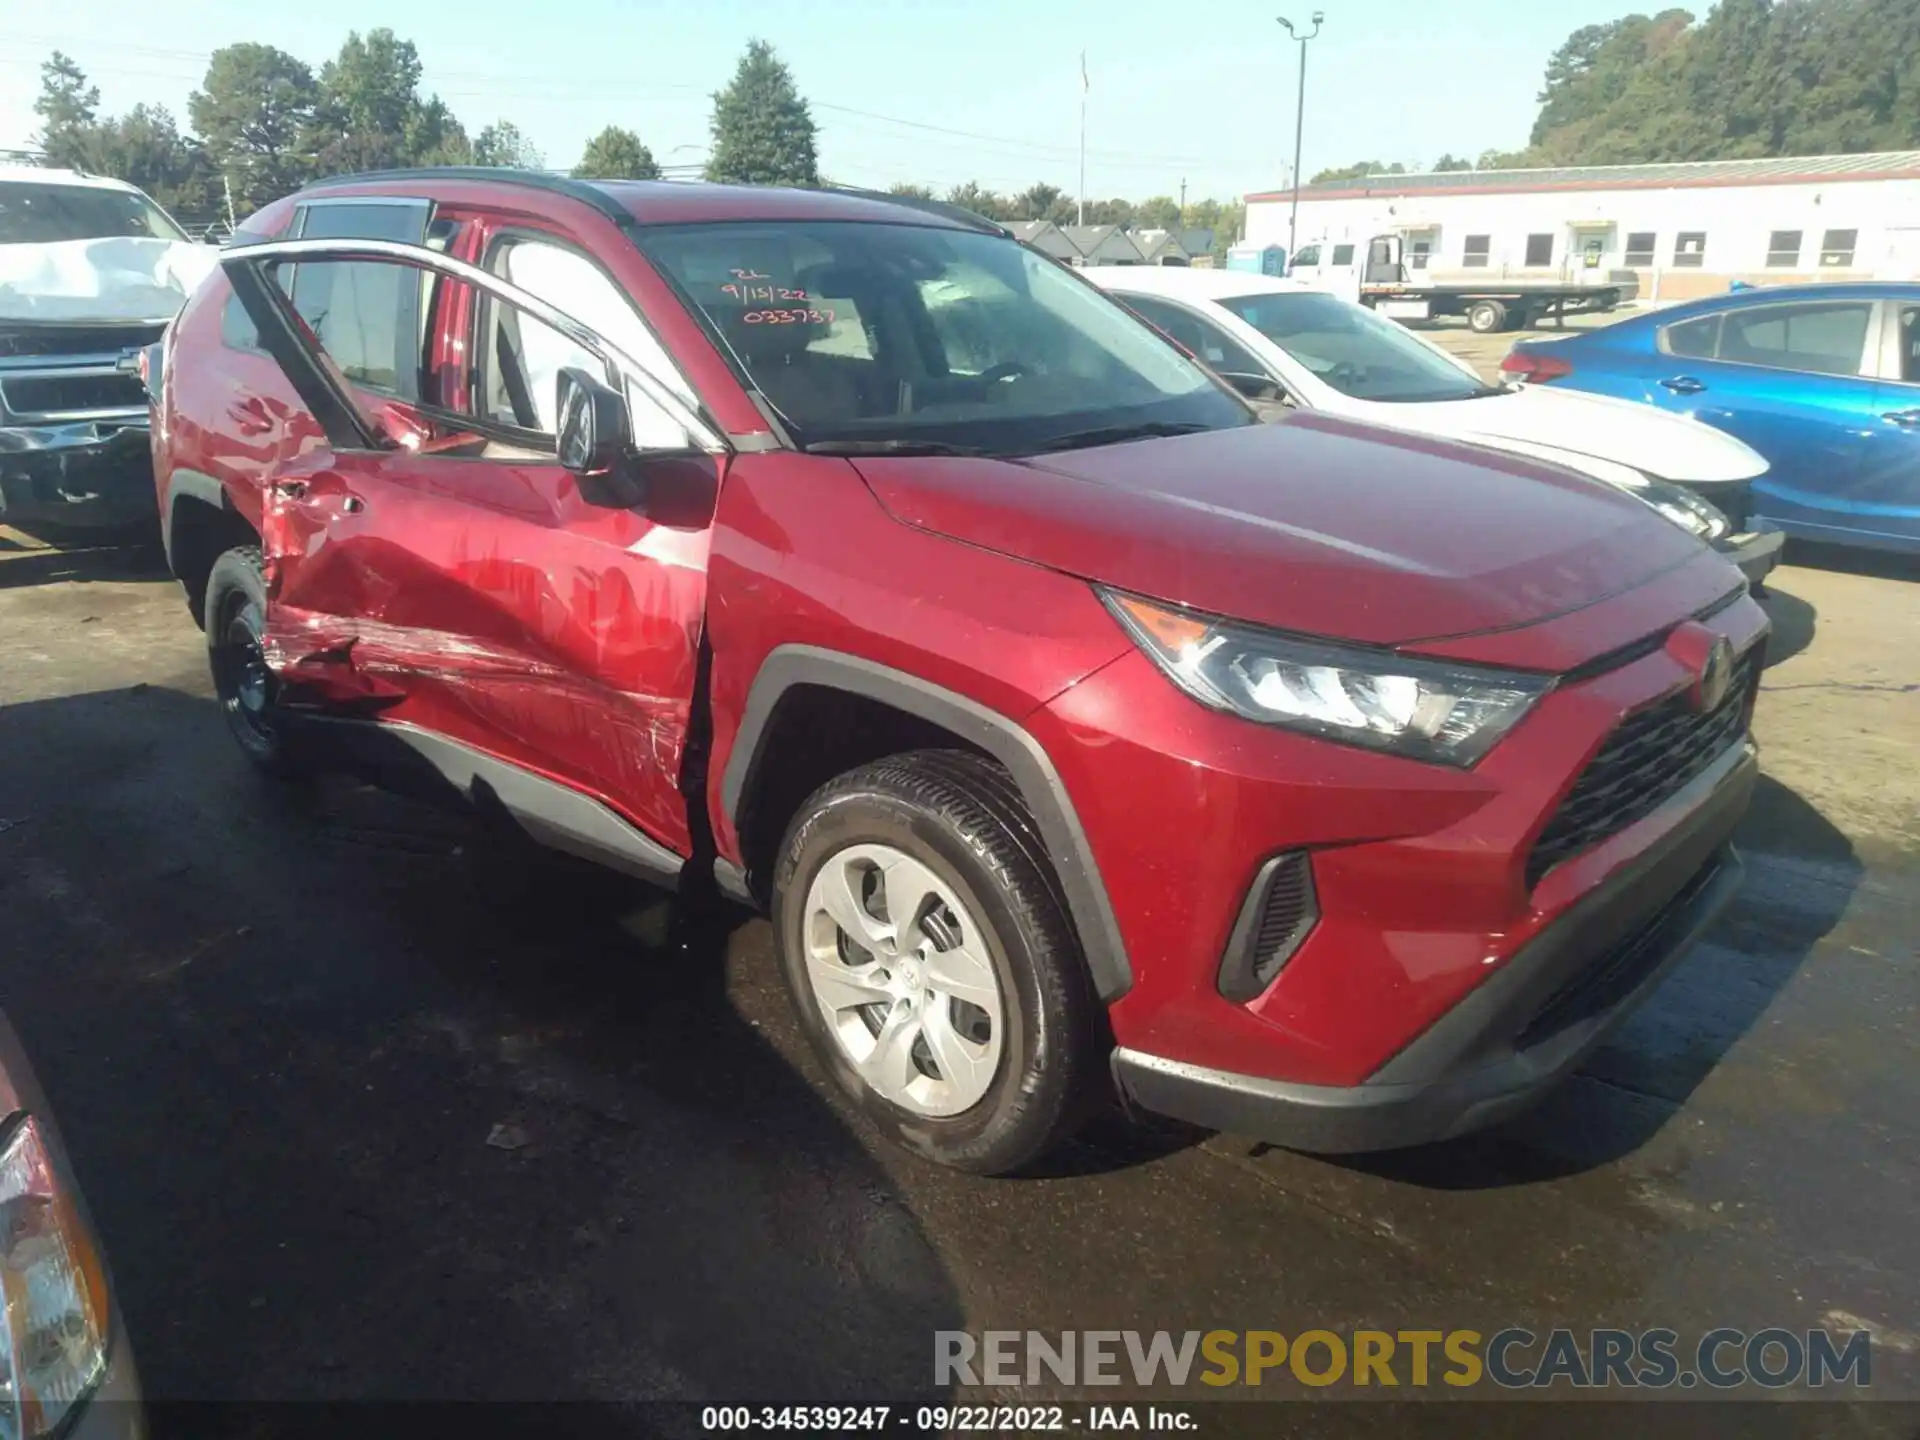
(929, 957)
(236, 617)
(1486, 317)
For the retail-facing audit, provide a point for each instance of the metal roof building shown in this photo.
(1687, 229)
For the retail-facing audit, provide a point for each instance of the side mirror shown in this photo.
(594, 433)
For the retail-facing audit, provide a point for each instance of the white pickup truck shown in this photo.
(91, 271)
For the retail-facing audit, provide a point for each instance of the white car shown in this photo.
(1291, 344)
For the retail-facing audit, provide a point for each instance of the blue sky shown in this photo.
(1171, 95)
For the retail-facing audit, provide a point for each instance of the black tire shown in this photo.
(1486, 317)
(235, 619)
(959, 815)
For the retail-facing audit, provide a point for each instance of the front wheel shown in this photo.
(927, 952)
(236, 617)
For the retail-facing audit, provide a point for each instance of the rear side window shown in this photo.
(1826, 338)
(1693, 339)
(1343, 255)
(1910, 344)
(367, 316)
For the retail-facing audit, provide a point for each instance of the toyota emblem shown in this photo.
(1716, 676)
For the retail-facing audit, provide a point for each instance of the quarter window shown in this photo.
(1783, 250)
(1836, 248)
(1640, 248)
(1692, 339)
(1824, 337)
(1539, 250)
(1690, 249)
(1477, 249)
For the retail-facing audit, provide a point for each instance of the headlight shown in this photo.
(1685, 509)
(1423, 709)
(54, 1290)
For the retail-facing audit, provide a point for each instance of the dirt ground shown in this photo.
(366, 1104)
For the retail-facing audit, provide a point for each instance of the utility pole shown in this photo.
(1080, 208)
(1183, 199)
(1299, 121)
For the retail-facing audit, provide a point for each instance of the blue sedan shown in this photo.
(1823, 380)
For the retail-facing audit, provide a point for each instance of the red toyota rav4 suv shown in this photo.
(1325, 784)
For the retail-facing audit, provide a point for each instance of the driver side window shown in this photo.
(577, 287)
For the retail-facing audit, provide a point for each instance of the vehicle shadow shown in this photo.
(1853, 560)
(432, 1115)
(22, 565)
(1794, 622)
(1801, 872)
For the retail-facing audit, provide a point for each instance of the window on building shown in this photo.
(1342, 255)
(1419, 253)
(1825, 337)
(1539, 250)
(1836, 248)
(1783, 250)
(1690, 249)
(1478, 247)
(1640, 245)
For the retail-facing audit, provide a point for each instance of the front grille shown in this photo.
(1645, 762)
(75, 339)
(1616, 973)
(56, 394)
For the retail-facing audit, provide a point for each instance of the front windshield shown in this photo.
(1352, 349)
(885, 335)
(34, 213)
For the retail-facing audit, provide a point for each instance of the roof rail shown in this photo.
(581, 190)
(959, 214)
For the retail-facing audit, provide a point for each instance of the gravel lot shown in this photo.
(280, 1026)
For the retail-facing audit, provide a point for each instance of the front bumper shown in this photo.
(1512, 1038)
(1756, 551)
(86, 474)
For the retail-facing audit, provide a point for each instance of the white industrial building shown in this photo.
(1686, 230)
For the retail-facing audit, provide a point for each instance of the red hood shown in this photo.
(1316, 525)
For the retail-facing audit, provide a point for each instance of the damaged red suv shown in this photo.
(1336, 786)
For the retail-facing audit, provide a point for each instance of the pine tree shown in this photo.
(763, 133)
(67, 107)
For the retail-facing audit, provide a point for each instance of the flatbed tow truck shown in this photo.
(1497, 303)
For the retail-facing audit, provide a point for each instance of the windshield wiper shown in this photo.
(1119, 434)
(896, 446)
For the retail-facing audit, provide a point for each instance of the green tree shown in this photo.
(1044, 202)
(1157, 213)
(616, 154)
(1358, 171)
(1111, 212)
(1449, 162)
(145, 147)
(981, 201)
(250, 112)
(368, 113)
(763, 132)
(910, 190)
(67, 108)
(501, 144)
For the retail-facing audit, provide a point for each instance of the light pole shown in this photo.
(1299, 120)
